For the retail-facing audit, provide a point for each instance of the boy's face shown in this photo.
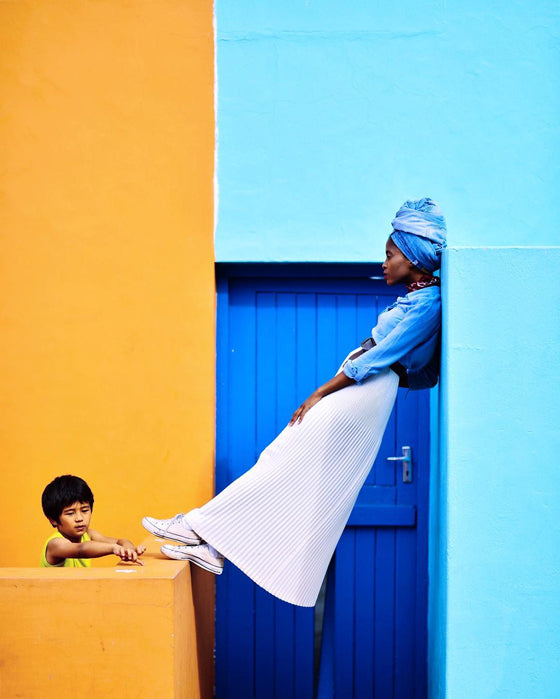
(74, 521)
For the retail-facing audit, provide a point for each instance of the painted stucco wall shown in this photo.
(107, 279)
(500, 493)
(331, 113)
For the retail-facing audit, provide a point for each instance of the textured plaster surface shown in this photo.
(330, 114)
(499, 612)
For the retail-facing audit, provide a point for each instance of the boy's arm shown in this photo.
(98, 536)
(132, 551)
(60, 548)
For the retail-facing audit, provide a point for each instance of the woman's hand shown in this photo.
(304, 407)
(335, 384)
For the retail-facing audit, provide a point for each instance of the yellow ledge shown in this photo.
(127, 631)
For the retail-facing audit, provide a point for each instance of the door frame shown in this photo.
(309, 271)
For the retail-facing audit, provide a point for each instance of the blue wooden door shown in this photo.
(282, 331)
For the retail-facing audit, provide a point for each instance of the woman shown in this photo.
(281, 520)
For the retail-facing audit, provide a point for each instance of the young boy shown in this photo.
(67, 504)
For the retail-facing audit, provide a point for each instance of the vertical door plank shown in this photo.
(266, 384)
(405, 613)
(367, 306)
(243, 381)
(283, 680)
(231, 672)
(405, 593)
(344, 564)
(303, 645)
(264, 420)
(307, 348)
(366, 317)
(326, 350)
(286, 403)
(383, 470)
(265, 640)
(346, 333)
(306, 382)
(364, 681)
(325, 683)
(384, 611)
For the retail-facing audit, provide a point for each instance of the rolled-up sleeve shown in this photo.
(418, 323)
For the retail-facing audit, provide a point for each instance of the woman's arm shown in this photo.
(335, 384)
(397, 367)
(417, 325)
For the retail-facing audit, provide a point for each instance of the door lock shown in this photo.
(406, 459)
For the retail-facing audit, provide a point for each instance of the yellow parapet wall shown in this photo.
(127, 631)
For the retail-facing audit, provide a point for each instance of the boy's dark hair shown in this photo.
(62, 492)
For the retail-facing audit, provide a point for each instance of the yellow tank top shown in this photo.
(67, 562)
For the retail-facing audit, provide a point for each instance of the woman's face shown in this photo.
(397, 269)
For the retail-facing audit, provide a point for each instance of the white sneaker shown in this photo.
(200, 555)
(174, 529)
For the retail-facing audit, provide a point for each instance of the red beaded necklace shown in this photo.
(423, 282)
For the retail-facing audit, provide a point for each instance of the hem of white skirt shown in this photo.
(198, 527)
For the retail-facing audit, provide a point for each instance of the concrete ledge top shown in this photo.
(156, 566)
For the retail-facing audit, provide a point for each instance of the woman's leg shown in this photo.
(196, 550)
(203, 555)
(175, 529)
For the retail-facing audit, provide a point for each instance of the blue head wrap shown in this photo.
(420, 232)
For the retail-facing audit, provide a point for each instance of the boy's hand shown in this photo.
(128, 553)
(139, 550)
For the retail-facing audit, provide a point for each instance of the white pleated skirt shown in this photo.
(281, 520)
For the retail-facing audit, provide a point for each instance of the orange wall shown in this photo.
(106, 275)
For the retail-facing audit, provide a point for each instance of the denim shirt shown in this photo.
(408, 332)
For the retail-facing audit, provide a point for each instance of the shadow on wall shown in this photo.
(202, 583)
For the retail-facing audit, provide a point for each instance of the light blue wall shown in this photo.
(331, 113)
(500, 493)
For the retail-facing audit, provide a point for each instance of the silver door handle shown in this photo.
(406, 459)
